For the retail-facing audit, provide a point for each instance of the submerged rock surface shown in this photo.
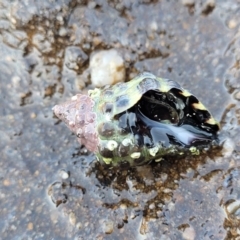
(51, 188)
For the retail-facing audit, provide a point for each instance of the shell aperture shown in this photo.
(134, 122)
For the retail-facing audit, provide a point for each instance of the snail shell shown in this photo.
(132, 123)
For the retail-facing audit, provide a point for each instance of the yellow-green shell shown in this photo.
(120, 147)
(144, 119)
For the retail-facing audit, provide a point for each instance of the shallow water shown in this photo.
(52, 188)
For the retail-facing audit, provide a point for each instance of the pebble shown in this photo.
(237, 95)
(72, 218)
(189, 233)
(123, 206)
(152, 206)
(33, 115)
(6, 183)
(79, 225)
(64, 174)
(154, 26)
(228, 147)
(107, 68)
(232, 24)
(171, 206)
(62, 32)
(108, 227)
(30, 226)
(233, 207)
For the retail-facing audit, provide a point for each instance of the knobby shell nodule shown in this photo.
(144, 119)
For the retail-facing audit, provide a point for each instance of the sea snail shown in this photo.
(138, 121)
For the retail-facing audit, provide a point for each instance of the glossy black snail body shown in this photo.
(144, 119)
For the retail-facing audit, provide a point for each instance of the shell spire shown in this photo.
(79, 116)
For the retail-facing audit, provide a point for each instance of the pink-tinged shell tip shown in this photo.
(79, 116)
